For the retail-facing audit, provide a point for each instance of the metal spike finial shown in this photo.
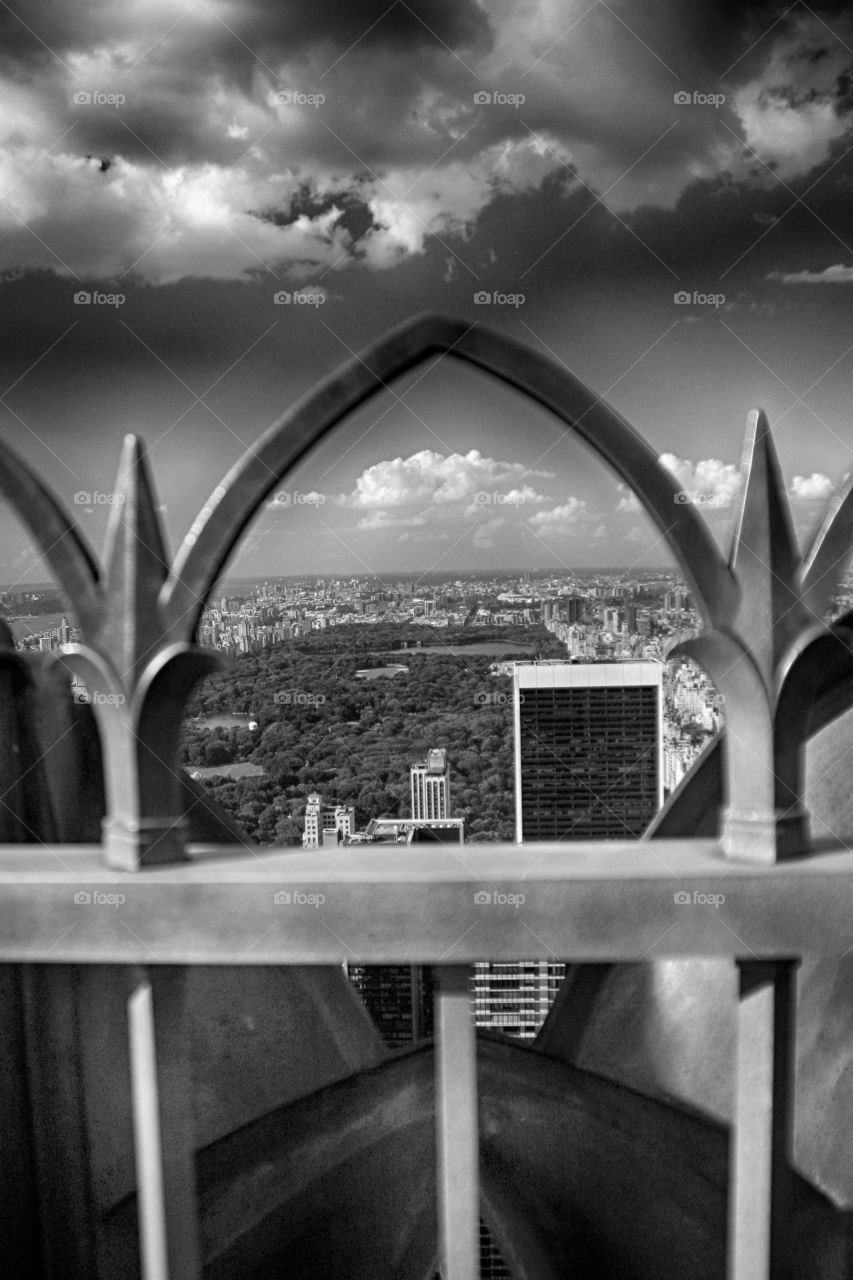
(765, 558)
(137, 677)
(137, 563)
(767, 657)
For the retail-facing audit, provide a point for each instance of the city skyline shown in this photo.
(239, 200)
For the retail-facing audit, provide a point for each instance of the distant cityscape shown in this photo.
(599, 616)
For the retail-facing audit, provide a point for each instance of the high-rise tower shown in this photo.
(430, 780)
(588, 749)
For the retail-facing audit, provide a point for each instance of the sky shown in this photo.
(206, 206)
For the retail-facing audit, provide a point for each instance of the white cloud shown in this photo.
(526, 496)
(790, 139)
(409, 206)
(378, 521)
(564, 521)
(830, 275)
(788, 111)
(811, 488)
(60, 213)
(710, 481)
(515, 497)
(484, 535)
(715, 484)
(628, 500)
(203, 217)
(443, 480)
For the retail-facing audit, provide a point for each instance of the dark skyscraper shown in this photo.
(588, 745)
(399, 999)
(574, 608)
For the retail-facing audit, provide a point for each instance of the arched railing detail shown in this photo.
(829, 550)
(63, 546)
(139, 615)
(235, 500)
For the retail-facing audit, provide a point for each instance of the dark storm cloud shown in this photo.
(170, 61)
(730, 38)
(239, 34)
(216, 169)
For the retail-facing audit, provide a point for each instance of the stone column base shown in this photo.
(130, 845)
(765, 837)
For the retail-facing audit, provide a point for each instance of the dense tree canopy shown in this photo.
(320, 728)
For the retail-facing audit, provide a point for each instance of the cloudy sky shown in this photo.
(656, 194)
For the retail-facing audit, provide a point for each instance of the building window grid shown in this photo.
(578, 725)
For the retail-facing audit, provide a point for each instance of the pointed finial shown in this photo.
(764, 556)
(137, 563)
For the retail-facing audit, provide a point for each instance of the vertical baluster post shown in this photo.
(761, 1147)
(457, 1127)
(163, 1126)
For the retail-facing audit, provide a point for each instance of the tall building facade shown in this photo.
(399, 998)
(574, 609)
(430, 782)
(588, 765)
(514, 997)
(326, 823)
(588, 749)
